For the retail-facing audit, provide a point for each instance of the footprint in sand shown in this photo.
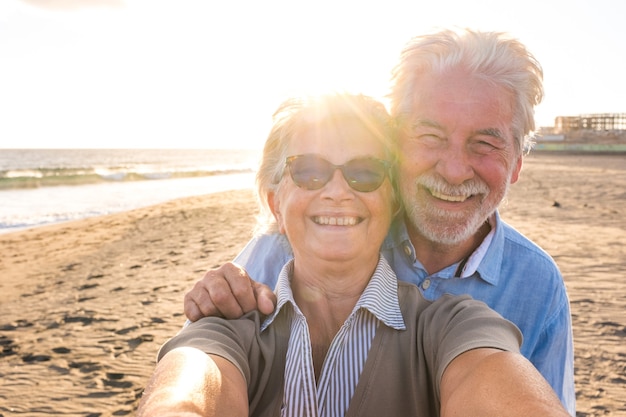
(8, 346)
(87, 287)
(134, 342)
(31, 358)
(114, 380)
(95, 276)
(86, 366)
(70, 267)
(126, 330)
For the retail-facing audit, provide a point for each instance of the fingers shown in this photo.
(227, 292)
(265, 298)
(198, 302)
(192, 311)
(224, 292)
(241, 287)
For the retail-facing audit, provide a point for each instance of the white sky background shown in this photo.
(209, 74)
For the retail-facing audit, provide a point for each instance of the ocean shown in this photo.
(45, 186)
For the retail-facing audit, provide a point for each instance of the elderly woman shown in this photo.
(346, 337)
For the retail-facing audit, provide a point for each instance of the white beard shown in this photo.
(447, 227)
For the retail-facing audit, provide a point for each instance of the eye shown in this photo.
(425, 132)
(366, 173)
(485, 143)
(429, 139)
(483, 146)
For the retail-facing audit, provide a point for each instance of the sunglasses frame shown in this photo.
(344, 168)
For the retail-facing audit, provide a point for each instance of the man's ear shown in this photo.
(274, 204)
(517, 170)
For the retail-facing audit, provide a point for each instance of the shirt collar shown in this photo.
(486, 260)
(380, 296)
(476, 257)
(489, 263)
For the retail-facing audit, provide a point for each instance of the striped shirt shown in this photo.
(347, 354)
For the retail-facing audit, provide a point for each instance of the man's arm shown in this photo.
(188, 382)
(490, 382)
(228, 292)
(553, 355)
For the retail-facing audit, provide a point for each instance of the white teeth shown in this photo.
(335, 221)
(455, 198)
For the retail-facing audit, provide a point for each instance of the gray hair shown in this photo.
(298, 114)
(491, 56)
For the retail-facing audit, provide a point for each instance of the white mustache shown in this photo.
(439, 187)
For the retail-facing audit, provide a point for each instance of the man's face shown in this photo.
(458, 156)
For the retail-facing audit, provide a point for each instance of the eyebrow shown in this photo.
(426, 123)
(496, 133)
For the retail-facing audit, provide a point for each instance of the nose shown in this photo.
(337, 188)
(454, 164)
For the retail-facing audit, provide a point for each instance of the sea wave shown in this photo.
(47, 177)
(25, 208)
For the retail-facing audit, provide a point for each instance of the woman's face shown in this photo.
(334, 222)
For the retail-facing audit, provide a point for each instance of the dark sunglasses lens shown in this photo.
(310, 172)
(365, 174)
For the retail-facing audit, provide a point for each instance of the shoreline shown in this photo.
(29, 208)
(86, 304)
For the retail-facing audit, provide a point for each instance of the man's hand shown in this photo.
(228, 292)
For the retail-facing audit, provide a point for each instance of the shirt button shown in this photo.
(426, 284)
(407, 249)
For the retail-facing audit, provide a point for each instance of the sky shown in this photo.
(209, 74)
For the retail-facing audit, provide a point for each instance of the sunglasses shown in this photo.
(312, 172)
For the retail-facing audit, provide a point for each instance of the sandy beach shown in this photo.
(84, 306)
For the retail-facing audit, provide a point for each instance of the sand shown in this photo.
(84, 306)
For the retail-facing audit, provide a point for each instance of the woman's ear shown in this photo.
(274, 203)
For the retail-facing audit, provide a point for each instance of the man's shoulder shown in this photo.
(520, 255)
(264, 256)
(516, 240)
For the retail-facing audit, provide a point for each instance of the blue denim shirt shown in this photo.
(509, 273)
